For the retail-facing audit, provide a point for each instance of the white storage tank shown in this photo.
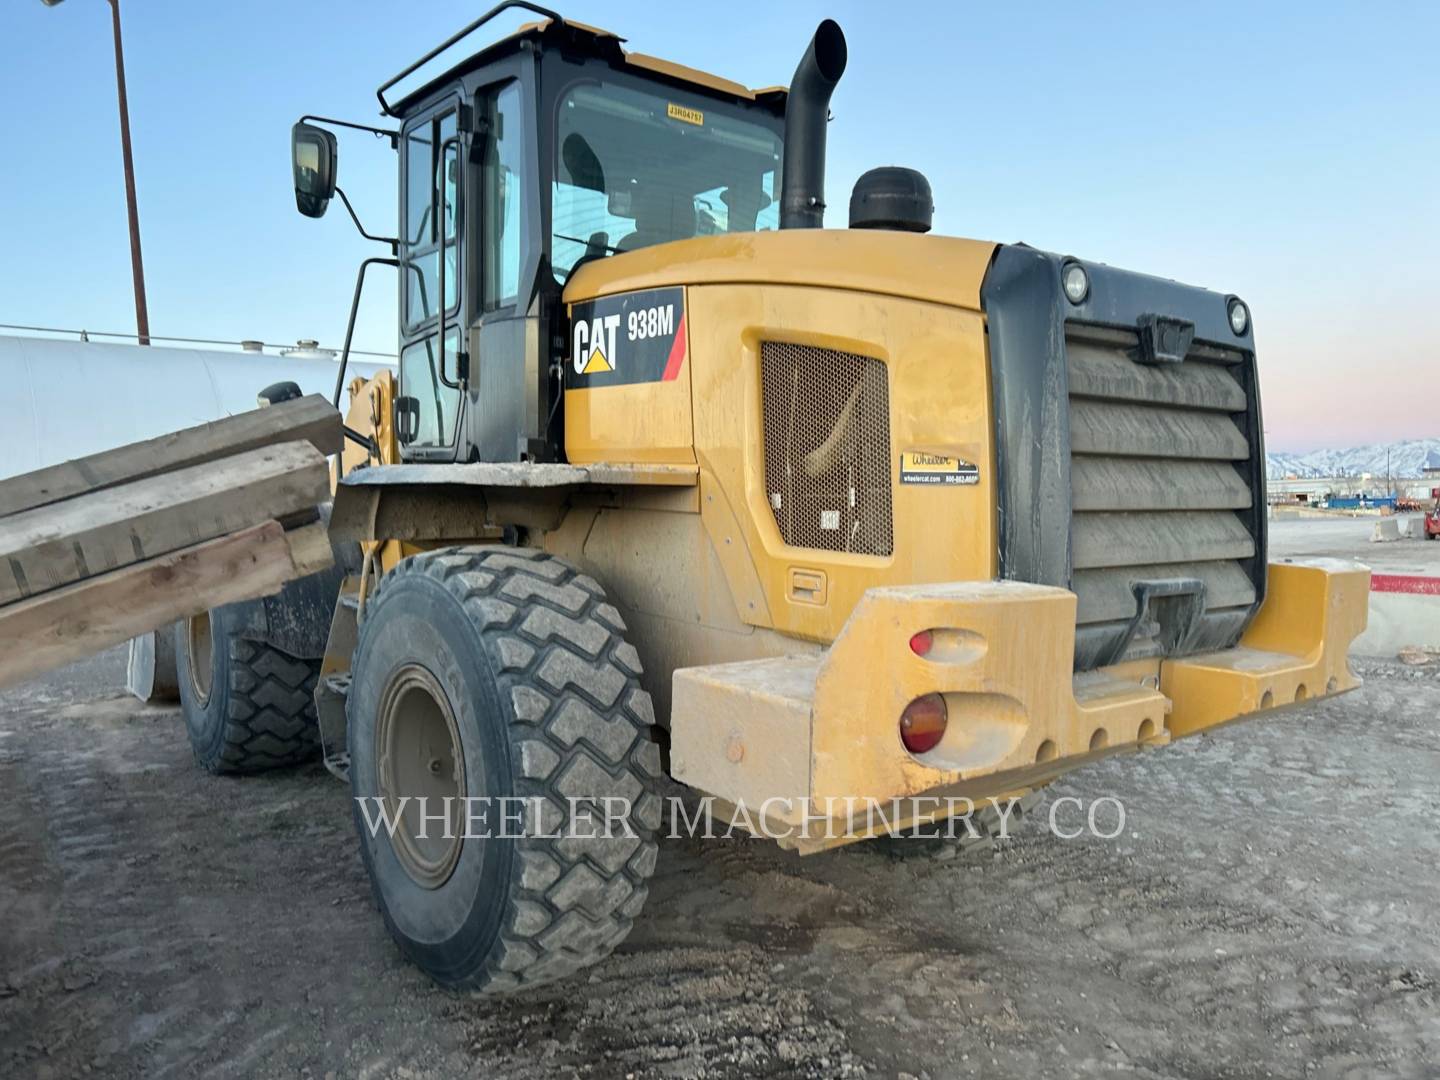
(66, 399)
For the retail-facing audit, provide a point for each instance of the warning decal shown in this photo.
(636, 337)
(921, 468)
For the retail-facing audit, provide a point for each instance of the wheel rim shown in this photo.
(200, 656)
(420, 756)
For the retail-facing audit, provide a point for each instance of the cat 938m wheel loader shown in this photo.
(672, 482)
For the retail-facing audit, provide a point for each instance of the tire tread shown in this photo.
(577, 720)
(270, 720)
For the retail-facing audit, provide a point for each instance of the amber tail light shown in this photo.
(922, 724)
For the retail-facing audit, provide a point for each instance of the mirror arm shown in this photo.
(350, 326)
(392, 241)
(379, 133)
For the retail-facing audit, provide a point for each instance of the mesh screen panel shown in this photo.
(827, 447)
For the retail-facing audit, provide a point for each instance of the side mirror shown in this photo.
(312, 158)
(407, 419)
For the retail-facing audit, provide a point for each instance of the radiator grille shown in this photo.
(1158, 475)
(826, 418)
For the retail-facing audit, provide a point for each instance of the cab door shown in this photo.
(506, 366)
(430, 403)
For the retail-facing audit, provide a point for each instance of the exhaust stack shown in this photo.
(807, 109)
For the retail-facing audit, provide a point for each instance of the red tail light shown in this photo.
(922, 724)
(922, 642)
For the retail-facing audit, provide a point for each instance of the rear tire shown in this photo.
(501, 673)
(248, 706)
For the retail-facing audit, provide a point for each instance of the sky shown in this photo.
(1283, 152)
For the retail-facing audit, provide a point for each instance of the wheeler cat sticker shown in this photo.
(635, 337)
(920, 468)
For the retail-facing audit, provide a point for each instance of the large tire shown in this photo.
(523, 688)
(248, 706)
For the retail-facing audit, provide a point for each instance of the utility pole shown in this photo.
(137, 264)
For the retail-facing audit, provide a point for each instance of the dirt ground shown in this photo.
(1269, 910)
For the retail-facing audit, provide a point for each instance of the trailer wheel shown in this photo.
(497, 678)
(248, 706)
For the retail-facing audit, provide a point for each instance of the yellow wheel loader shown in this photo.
(845, 529)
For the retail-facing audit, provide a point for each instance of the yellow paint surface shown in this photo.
(937, 269)
(812, 735)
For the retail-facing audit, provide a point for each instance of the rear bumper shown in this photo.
(801, 742)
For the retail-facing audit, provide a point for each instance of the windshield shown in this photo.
(636, 168)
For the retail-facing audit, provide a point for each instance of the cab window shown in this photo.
(431, 169)
(501, 195)
(432, 214)
(437, 404)
(636, 168)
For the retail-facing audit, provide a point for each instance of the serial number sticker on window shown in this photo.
(918, 468)
(689, 116)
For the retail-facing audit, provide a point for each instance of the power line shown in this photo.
(86, 335)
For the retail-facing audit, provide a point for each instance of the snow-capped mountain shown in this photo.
(1406, 459)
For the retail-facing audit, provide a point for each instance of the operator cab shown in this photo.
(546, 150)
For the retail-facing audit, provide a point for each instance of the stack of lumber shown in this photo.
(97, 550)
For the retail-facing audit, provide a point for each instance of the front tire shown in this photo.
(501, 675)
(248, 706)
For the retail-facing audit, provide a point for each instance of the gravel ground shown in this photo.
(1269, 910)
